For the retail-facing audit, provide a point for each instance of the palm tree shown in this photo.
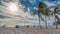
(41, 5)
(39, 17)
(56, 11)
(56, 17)
(46, 12)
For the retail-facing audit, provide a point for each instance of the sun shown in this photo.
(12, 7)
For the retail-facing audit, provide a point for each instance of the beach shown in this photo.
(30, 30)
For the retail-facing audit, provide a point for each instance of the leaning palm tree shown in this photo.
(55, 12)
(41, 5)
(46, 12)
(39, 17)
(56, 17)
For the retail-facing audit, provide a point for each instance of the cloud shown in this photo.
(2, 17)
(32, 1)
(50, 4)
(22, 16)
(13, 18)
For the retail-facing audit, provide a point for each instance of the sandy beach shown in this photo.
(30, 30)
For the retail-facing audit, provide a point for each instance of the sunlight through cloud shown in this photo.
(12, 7)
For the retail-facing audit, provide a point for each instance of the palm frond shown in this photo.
(56, 10)
(41, 5)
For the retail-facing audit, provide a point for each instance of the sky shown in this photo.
(18, 12)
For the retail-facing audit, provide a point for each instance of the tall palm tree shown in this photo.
(41, 5)
(39, 17)
(56, 12)
(46, 12)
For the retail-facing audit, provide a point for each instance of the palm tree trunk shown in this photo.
(39, 21)
(46, 22)
(56, 23)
